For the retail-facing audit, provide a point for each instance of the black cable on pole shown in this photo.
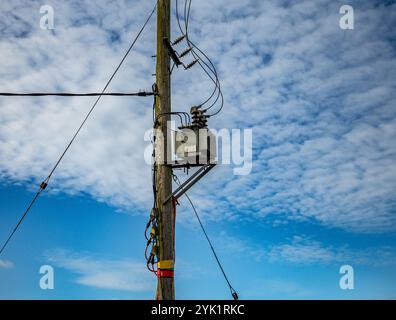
(212, 68)
(44, 184)
(233, 292)
(66, 94)
(198, 58)
(205, 66)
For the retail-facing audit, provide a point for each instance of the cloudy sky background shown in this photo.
(321, 104)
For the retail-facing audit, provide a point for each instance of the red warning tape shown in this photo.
(165, 273)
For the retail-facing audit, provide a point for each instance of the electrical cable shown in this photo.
(104, 89)
(197, 56)
(168, 113)
(21, 219)
(186, 116)
(214, 71)
(233, 292)
(217, 81)
(44, 184)
(185, 34)
(153, 220)
(212, 68)
(64, 94)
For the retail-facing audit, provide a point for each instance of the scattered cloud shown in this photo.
(303, 250)
(92, 271)
(322, 114)
(239, 247)
(6, 264)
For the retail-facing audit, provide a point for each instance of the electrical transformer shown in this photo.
(195, 145)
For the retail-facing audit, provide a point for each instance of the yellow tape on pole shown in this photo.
(166, 264)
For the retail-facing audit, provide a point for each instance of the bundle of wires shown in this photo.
(216, 98)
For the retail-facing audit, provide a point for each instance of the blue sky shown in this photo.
(321, 104)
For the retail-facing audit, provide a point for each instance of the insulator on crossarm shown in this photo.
(190, 65)
(178, 40)
(185, 52)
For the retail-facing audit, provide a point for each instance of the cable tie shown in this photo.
(43, 185)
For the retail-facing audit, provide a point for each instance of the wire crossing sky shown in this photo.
(45, 182)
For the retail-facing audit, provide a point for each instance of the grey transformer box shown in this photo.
(194, 146)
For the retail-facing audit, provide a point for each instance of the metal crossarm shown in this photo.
(186, 185)
(172, 52)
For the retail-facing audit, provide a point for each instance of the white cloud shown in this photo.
(113, 274)
(320, 101)
(238, 247)
(324, 122)
(303, 250)
(6, 264)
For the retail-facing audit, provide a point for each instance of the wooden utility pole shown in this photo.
(166, 223)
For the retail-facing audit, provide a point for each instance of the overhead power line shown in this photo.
(203, 60)
(44, 184)
(20, 220)
(66, 94)
(233, 292)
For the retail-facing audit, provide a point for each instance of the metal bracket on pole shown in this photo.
(186, 185)
(172, 52)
